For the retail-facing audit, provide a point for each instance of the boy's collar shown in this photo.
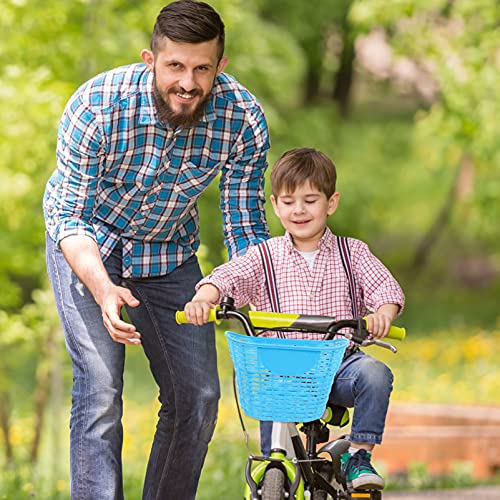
(326, 241)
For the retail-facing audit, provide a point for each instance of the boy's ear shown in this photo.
(333, 203)
(275, 206)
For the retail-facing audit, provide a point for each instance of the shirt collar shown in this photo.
(147, 115)
(327, 241)
(209, 114)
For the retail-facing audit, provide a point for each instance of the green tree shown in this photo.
(458, 41)
(327, 40)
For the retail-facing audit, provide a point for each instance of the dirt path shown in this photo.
(479, 493)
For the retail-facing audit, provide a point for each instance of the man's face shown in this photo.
(184, 75)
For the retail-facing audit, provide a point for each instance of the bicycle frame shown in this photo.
(288, 453)
(282, 454)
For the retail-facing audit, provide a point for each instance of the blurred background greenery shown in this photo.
(404, 97)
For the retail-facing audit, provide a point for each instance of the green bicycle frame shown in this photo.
(258, 472)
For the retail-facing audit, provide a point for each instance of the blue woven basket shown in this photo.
(284, 380)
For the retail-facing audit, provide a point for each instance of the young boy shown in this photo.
(311, 279)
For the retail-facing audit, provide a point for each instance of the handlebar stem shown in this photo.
(227, 310)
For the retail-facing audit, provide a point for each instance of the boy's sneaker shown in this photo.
(358, 472)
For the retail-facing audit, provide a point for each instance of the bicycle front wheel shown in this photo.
(273, 484)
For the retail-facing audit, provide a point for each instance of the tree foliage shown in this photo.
(458, 41)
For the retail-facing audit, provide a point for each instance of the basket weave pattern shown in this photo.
(284, 380)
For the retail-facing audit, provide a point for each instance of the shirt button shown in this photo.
(127, 260)
(311, 295)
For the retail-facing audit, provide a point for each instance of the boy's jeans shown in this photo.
(183, 363)
(362, 383)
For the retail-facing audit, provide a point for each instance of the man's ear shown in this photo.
(148, 57)
(333, 203)
(222, 64)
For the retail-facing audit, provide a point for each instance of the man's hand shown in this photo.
(83, 256)
(111, 302)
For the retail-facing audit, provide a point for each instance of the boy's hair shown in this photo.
(297, 166)
(188, 21)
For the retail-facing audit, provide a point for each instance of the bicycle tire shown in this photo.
(273, 485)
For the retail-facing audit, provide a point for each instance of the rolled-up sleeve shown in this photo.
(242, 186)
(79, 153)
(378, 285)
(241, 278)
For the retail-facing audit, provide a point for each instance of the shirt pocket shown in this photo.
(192, 179)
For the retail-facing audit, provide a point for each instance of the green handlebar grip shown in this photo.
(180, 316)
(395, 332)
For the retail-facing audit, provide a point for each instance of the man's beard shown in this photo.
(185, 118)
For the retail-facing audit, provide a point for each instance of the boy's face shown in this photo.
(303, 214)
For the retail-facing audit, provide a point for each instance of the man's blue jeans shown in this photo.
(183, 362)
(362, 383)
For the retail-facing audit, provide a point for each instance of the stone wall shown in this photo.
(440, 436)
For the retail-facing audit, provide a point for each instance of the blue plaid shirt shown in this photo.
(124, 178)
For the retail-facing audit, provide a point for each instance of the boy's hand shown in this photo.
(378, 323)
(197, 310)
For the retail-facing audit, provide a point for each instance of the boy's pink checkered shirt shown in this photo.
(322, 290)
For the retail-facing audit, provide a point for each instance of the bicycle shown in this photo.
(288, 381)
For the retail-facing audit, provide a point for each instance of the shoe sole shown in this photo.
(369, 482)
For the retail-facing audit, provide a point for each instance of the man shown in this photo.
(137, 146)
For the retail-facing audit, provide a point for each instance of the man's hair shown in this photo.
(297, 166)
(188, 21)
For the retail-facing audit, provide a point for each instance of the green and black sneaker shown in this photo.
(358, 472)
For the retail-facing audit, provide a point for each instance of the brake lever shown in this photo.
(379, 343)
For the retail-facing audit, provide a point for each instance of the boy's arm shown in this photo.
(205, 299)
(380, 321)
(240, 278)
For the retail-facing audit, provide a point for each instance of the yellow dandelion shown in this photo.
(61, 485)
(28, 488)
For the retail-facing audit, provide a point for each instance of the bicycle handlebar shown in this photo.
(288, 322)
